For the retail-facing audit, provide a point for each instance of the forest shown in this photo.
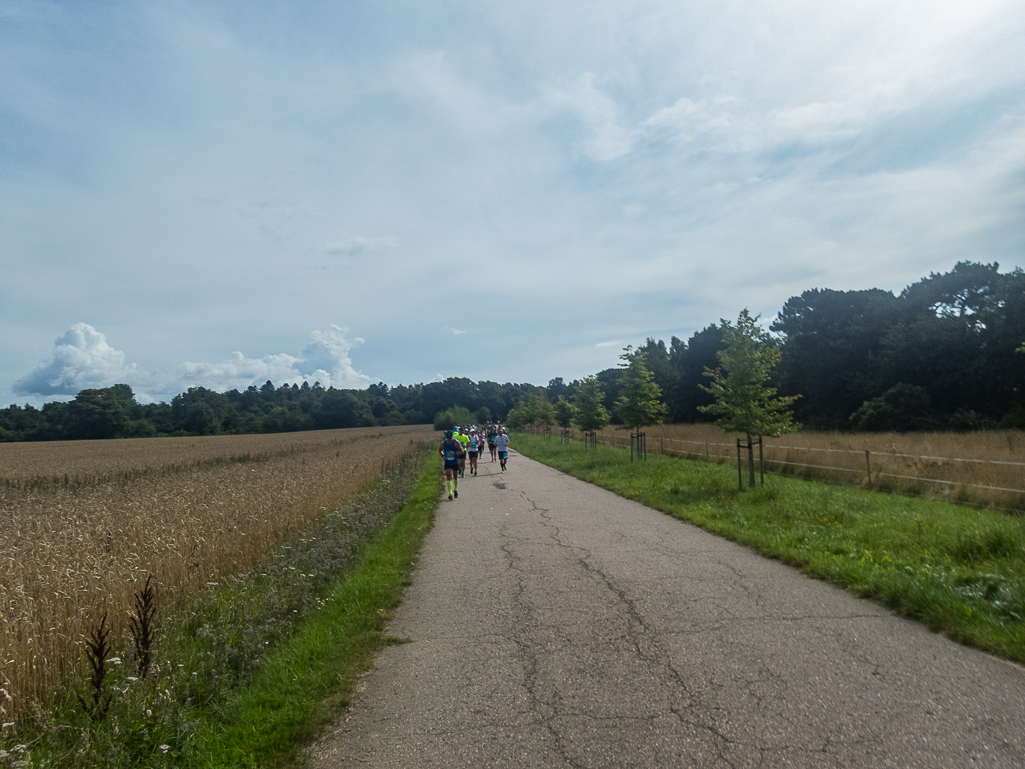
(947, 353)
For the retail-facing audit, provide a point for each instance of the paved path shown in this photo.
(554, 624)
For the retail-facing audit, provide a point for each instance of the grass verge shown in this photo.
(311, 677)
(249, 673)
(958, 570)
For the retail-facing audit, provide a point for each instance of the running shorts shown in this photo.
(453, 465)
(503, 454)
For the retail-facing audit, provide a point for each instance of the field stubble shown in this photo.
(979, 468)
(189, 511)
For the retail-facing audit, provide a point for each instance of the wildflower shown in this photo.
(114, 660)
(165, 748)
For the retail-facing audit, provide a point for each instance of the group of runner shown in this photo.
(462, 443)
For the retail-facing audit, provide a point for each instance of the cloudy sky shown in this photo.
(221, 193)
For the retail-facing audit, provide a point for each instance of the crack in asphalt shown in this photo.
(639, 636)
(644, 645)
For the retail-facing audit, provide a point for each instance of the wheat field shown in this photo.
(83, 523)
(985, 468)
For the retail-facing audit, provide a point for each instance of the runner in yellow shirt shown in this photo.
(464, 441)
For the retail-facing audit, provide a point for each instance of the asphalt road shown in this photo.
(553, 624)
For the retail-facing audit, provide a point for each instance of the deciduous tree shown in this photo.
(744, 401)
(589, 402)
(639, 403)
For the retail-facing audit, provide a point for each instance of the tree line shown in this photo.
(114, 412)
(947, 353)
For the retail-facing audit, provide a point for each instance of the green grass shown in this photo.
(959, 570)
(247, 675)
(311, 677)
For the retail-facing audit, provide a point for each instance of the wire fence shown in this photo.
(990, 483)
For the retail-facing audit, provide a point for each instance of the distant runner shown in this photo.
(502, 444)
(475, 445)
(451, 450)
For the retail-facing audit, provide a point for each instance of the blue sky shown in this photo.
(222, 193)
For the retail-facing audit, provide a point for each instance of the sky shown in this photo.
(220, 193)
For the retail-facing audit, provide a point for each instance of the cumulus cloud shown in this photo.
(81, 359)
(328, 354)
(324, 359)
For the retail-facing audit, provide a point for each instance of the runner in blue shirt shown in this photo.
(451, 450)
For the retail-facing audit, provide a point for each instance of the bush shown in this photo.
(901, 409)
(450, 417)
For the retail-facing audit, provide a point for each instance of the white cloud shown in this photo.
(328, 353)
(324, 359)
(686, 119)
(613, 343)
(606, 138)
(81, 359)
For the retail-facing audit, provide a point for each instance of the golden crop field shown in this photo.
(83, 523)
(984, 468)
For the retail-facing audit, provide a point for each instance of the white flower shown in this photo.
(114, 660)
(165, 748)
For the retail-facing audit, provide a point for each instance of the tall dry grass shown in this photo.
(82, 524)
(981, 468)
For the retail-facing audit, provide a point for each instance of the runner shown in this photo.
(491, 444)
(475, 444)
(502, 444)
(450, 450)
(464, 441)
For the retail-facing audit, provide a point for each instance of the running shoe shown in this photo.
(457, 495)
(450, 496)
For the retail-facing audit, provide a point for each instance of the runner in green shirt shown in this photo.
(465, 443)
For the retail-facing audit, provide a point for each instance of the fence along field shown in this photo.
(83, 523)
(981, 468)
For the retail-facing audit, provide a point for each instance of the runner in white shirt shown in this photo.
(502, 444)
(474, 452)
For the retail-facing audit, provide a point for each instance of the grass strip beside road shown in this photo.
(958, 570)
(309, 679)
